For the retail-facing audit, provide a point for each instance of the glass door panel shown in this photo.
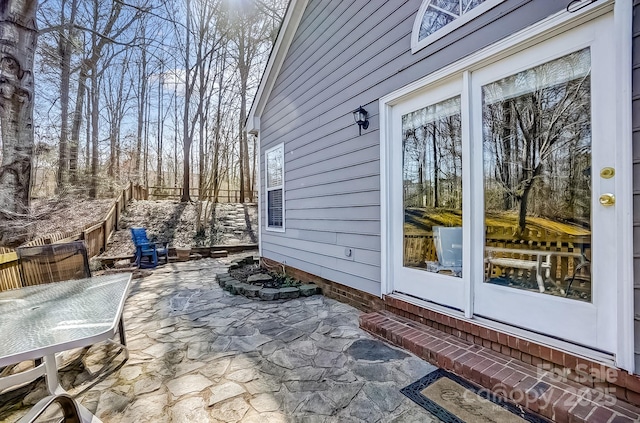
(544, 248)
(432, 188)
(536, 127)
(426, 196)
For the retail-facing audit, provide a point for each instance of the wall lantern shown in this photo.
(360, 115)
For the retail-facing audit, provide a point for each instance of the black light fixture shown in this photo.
(361, 116)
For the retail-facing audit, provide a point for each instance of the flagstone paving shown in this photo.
(200, 354)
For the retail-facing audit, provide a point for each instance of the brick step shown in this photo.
(535, 388)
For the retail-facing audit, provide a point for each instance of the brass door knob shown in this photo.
(607, 200)
(607, 173)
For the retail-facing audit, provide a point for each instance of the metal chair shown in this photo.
(148, 249)
(53, 263)
(45, 264)
(68, 406)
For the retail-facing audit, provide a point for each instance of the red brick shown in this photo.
(512, 342)
(534, 350)
(621, 419)
(503, 338)
(562, 406)
(526, 358)
(460, 361)
(485, 377)
(484, 333)
(536, 361)
(497, 380)
(625, 409)
(631, 382)
(570, 361)
(547, 400)
(475, 330)
(557, 357)
(599, 415)
(513, 379)
(519, 391)
(516, 354)
(478, 369)
(633, 397)
(545, 353)
(580, 411)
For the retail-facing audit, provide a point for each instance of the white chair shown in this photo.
(448, 242)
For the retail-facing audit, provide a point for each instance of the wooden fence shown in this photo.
(419, 248)
(224, 195)
(96, 236)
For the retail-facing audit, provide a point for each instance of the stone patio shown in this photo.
(200, 354)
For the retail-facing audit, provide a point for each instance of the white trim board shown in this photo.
(417, 45)
(623, 20)
(288, 28)
(281, 186)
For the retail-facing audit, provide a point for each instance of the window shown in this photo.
(437, 18)
(274, 162)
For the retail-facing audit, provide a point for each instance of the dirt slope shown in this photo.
(176, 223)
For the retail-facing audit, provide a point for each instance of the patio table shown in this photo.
(39, 321)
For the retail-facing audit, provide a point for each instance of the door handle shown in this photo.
(607, 200)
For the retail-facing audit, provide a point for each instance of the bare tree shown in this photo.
(18, 37)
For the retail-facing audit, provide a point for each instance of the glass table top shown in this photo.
(45, 319)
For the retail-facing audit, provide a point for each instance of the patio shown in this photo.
(200, 354)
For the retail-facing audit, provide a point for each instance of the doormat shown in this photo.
(454, 400)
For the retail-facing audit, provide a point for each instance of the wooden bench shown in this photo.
(540, 261)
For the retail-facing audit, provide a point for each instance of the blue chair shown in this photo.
(150, 250)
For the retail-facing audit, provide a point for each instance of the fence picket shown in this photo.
(95, 235)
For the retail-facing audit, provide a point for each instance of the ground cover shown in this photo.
(176, 223)
(417, 220)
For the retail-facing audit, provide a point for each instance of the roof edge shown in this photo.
(288, 28)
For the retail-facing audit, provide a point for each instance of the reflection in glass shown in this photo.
(537, 178)
(432, 187)
(274, 167)
(442, 12)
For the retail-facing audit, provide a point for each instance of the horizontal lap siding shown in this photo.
(636, 171)
(347, 54)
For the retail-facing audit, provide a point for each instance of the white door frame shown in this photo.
(446, 290)
(588, 323)
(545, 29)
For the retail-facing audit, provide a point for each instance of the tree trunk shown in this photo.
(18, 33)
(65, 49)
(95, 97)
(524, 198)
(244, 145)
(160, 125)
(186, 183)
(434, 144)
(142, 95)
(77, 123)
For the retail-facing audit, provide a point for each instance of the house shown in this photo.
(513, 121)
